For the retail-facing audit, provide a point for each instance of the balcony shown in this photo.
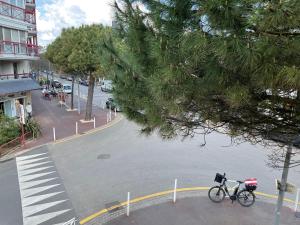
(30, 4)
(15, 76)
(10, 49)
(18, 13)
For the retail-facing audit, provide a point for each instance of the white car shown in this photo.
(67, 88)
(106, 86)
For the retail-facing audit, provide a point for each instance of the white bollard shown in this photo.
(175, 190)
(297, 200)
(76, 128)
(115, 112)
(94, 122)
(107, 118)
(128, 203)
(54, 135)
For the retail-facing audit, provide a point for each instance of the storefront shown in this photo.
(12, 91)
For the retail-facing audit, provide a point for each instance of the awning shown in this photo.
(17, 85)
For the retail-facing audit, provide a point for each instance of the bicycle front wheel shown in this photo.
(216, 194)
(246, 198)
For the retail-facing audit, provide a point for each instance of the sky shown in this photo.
(53, 15)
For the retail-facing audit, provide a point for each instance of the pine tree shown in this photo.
(197, 66)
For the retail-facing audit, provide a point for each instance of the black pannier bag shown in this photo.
(251, 184)
(219, 178)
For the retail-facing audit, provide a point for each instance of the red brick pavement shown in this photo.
(51, 114)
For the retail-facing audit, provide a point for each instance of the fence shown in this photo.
(11, 145)
(172, 195)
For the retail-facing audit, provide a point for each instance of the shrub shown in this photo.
(33, 127)
(9, 129)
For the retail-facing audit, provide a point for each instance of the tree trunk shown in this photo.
(72, 94)
(89, 102)
(283, 184)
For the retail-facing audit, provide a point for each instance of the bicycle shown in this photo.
(245, 197)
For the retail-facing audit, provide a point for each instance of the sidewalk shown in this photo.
(201, 211)
(50, 114)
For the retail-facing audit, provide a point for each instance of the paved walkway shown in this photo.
(51, 114)
(201, 211)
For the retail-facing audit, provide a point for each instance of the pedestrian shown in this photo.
(29, 110)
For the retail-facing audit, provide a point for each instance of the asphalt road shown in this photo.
(101, 168)
(99, 98)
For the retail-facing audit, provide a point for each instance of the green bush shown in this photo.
(9, 129)
(33, 127)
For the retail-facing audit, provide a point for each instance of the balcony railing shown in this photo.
(16, 12)
(16, 48)
(14, 76)
(30, 1)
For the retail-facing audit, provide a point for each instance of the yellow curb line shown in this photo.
(139, 199)
(114, 122)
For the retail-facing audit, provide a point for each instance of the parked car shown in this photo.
(63, 77)
(69, 78)
(67, 88)
(112, 104)
(56, 84)
(84, 82)
(106, 86)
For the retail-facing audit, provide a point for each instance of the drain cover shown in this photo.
(103, 156)
(113, 206)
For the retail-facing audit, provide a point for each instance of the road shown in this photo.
(99, 98)
(101, 168)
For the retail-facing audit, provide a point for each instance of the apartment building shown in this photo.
(18, 46)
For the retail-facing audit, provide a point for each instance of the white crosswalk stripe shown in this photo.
(42, 195)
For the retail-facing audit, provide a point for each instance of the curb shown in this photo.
(9, 157)
(163, 193)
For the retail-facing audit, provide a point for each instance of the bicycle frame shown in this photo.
(235, 187)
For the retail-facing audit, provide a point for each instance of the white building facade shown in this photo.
(18, 46)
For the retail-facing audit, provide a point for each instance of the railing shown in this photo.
(14, 76)
(16, 48)
(17, 12)
(30, 1)
(5, 148)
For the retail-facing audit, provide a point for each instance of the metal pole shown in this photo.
(78, 98)
(297, 200)
(128, 203)
(76, 128)
(54, 136)
(175, 189)
(94, 122)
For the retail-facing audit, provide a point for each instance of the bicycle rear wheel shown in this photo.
(246, 198)
(216, 194)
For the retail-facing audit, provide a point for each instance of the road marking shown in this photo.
(30, 156)
(37, 193)
(35, 220)
(30, 171)
(29, 161)
(31, 200)
(26, 167)
(34, 176)
(146, 197)
(36, 183)
(30, 210)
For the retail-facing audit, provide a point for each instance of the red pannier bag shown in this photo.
(251, 184)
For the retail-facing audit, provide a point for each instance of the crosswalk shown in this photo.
(43, 197)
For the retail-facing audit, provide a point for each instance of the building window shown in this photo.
(1, 34)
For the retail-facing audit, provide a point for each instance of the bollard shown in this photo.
(115, 112)
(76, 128)
(94, 122)
(128, 203)
(109, 114)
(297, 200)
(107, 118)
(175, 190)
(54, 136)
